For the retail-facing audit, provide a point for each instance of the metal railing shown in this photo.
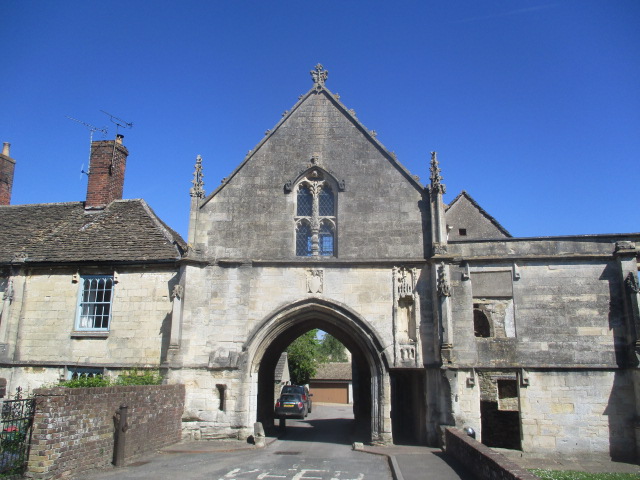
(16, 418)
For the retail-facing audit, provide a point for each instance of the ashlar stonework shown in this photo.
(532, 342)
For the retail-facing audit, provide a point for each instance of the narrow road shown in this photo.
(316, 448)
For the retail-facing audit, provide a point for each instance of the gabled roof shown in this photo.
(125, 231)
(464, 194)
(350, 114)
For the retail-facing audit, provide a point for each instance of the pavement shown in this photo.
(413, 462)
(593, 463)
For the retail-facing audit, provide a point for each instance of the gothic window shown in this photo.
(325, 201)
(326, 240)
(305, 202)
(75, 372)
(315, 219)
(303, 239)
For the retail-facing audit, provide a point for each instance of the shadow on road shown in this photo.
(341, 431)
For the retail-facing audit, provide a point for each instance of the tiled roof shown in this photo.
(464, 194)
(333, 371)
(125, 231)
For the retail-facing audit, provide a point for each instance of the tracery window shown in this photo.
(315, 219)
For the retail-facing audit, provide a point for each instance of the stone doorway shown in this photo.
(408, 407)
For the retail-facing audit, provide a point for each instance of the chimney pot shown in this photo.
(119, 138)
(7, 168)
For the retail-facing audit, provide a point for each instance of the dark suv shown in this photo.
(300, 390)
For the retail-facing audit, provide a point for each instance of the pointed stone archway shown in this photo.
(369, 355)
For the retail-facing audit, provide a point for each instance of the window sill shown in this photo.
(81, 334)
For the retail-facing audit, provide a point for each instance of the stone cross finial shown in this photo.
(319, 75)
(436, 178)
(198, 184)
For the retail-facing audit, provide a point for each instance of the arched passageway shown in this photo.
(370, 368)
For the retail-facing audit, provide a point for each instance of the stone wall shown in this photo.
(74, 429)
(565, 308)
(381, 212)
(569, 412)
(561, 412)
(484, 462)
(39, 337)
(227, 306)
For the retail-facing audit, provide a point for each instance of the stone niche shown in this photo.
(406, 312)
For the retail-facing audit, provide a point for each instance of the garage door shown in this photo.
(330, 392)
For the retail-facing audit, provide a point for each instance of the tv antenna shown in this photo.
(92, 129)
(119, 123)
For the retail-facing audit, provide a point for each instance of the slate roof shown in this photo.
(125, 231)
(466, 195)
(333, 371)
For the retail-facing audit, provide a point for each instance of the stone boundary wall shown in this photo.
(73, 430)
(481, 460)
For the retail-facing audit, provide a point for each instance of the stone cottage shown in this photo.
(85, 287)
(532, 342)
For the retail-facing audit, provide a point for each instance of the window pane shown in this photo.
(326, 241)
(94, 311)
(326, 203)
(303, 241)
(305, 202)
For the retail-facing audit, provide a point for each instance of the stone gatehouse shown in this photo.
(532, 342)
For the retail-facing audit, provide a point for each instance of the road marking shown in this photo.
(300, 476)
(236, 472)
(359, 477)
(266, 474)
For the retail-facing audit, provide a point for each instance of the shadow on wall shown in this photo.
(617, 326)
(622, 416)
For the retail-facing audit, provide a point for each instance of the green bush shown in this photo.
(128, 377)
(134, 377)
(84, 381)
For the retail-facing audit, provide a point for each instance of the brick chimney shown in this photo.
(106, 172)
(7, 167)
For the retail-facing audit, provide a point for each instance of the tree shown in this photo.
(331, 350)
(303, 357)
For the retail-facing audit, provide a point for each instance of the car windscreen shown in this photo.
(290, 398)
(291, 389)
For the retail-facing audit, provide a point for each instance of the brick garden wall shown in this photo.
(480, 459)
(74, 428)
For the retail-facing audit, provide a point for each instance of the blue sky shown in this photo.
(533, 106)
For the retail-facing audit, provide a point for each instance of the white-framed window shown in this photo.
(315, 217)
(94, 303)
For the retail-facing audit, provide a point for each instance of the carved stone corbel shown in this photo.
(443, 287)
(631, 282)
(516, 271)
(177, 292)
